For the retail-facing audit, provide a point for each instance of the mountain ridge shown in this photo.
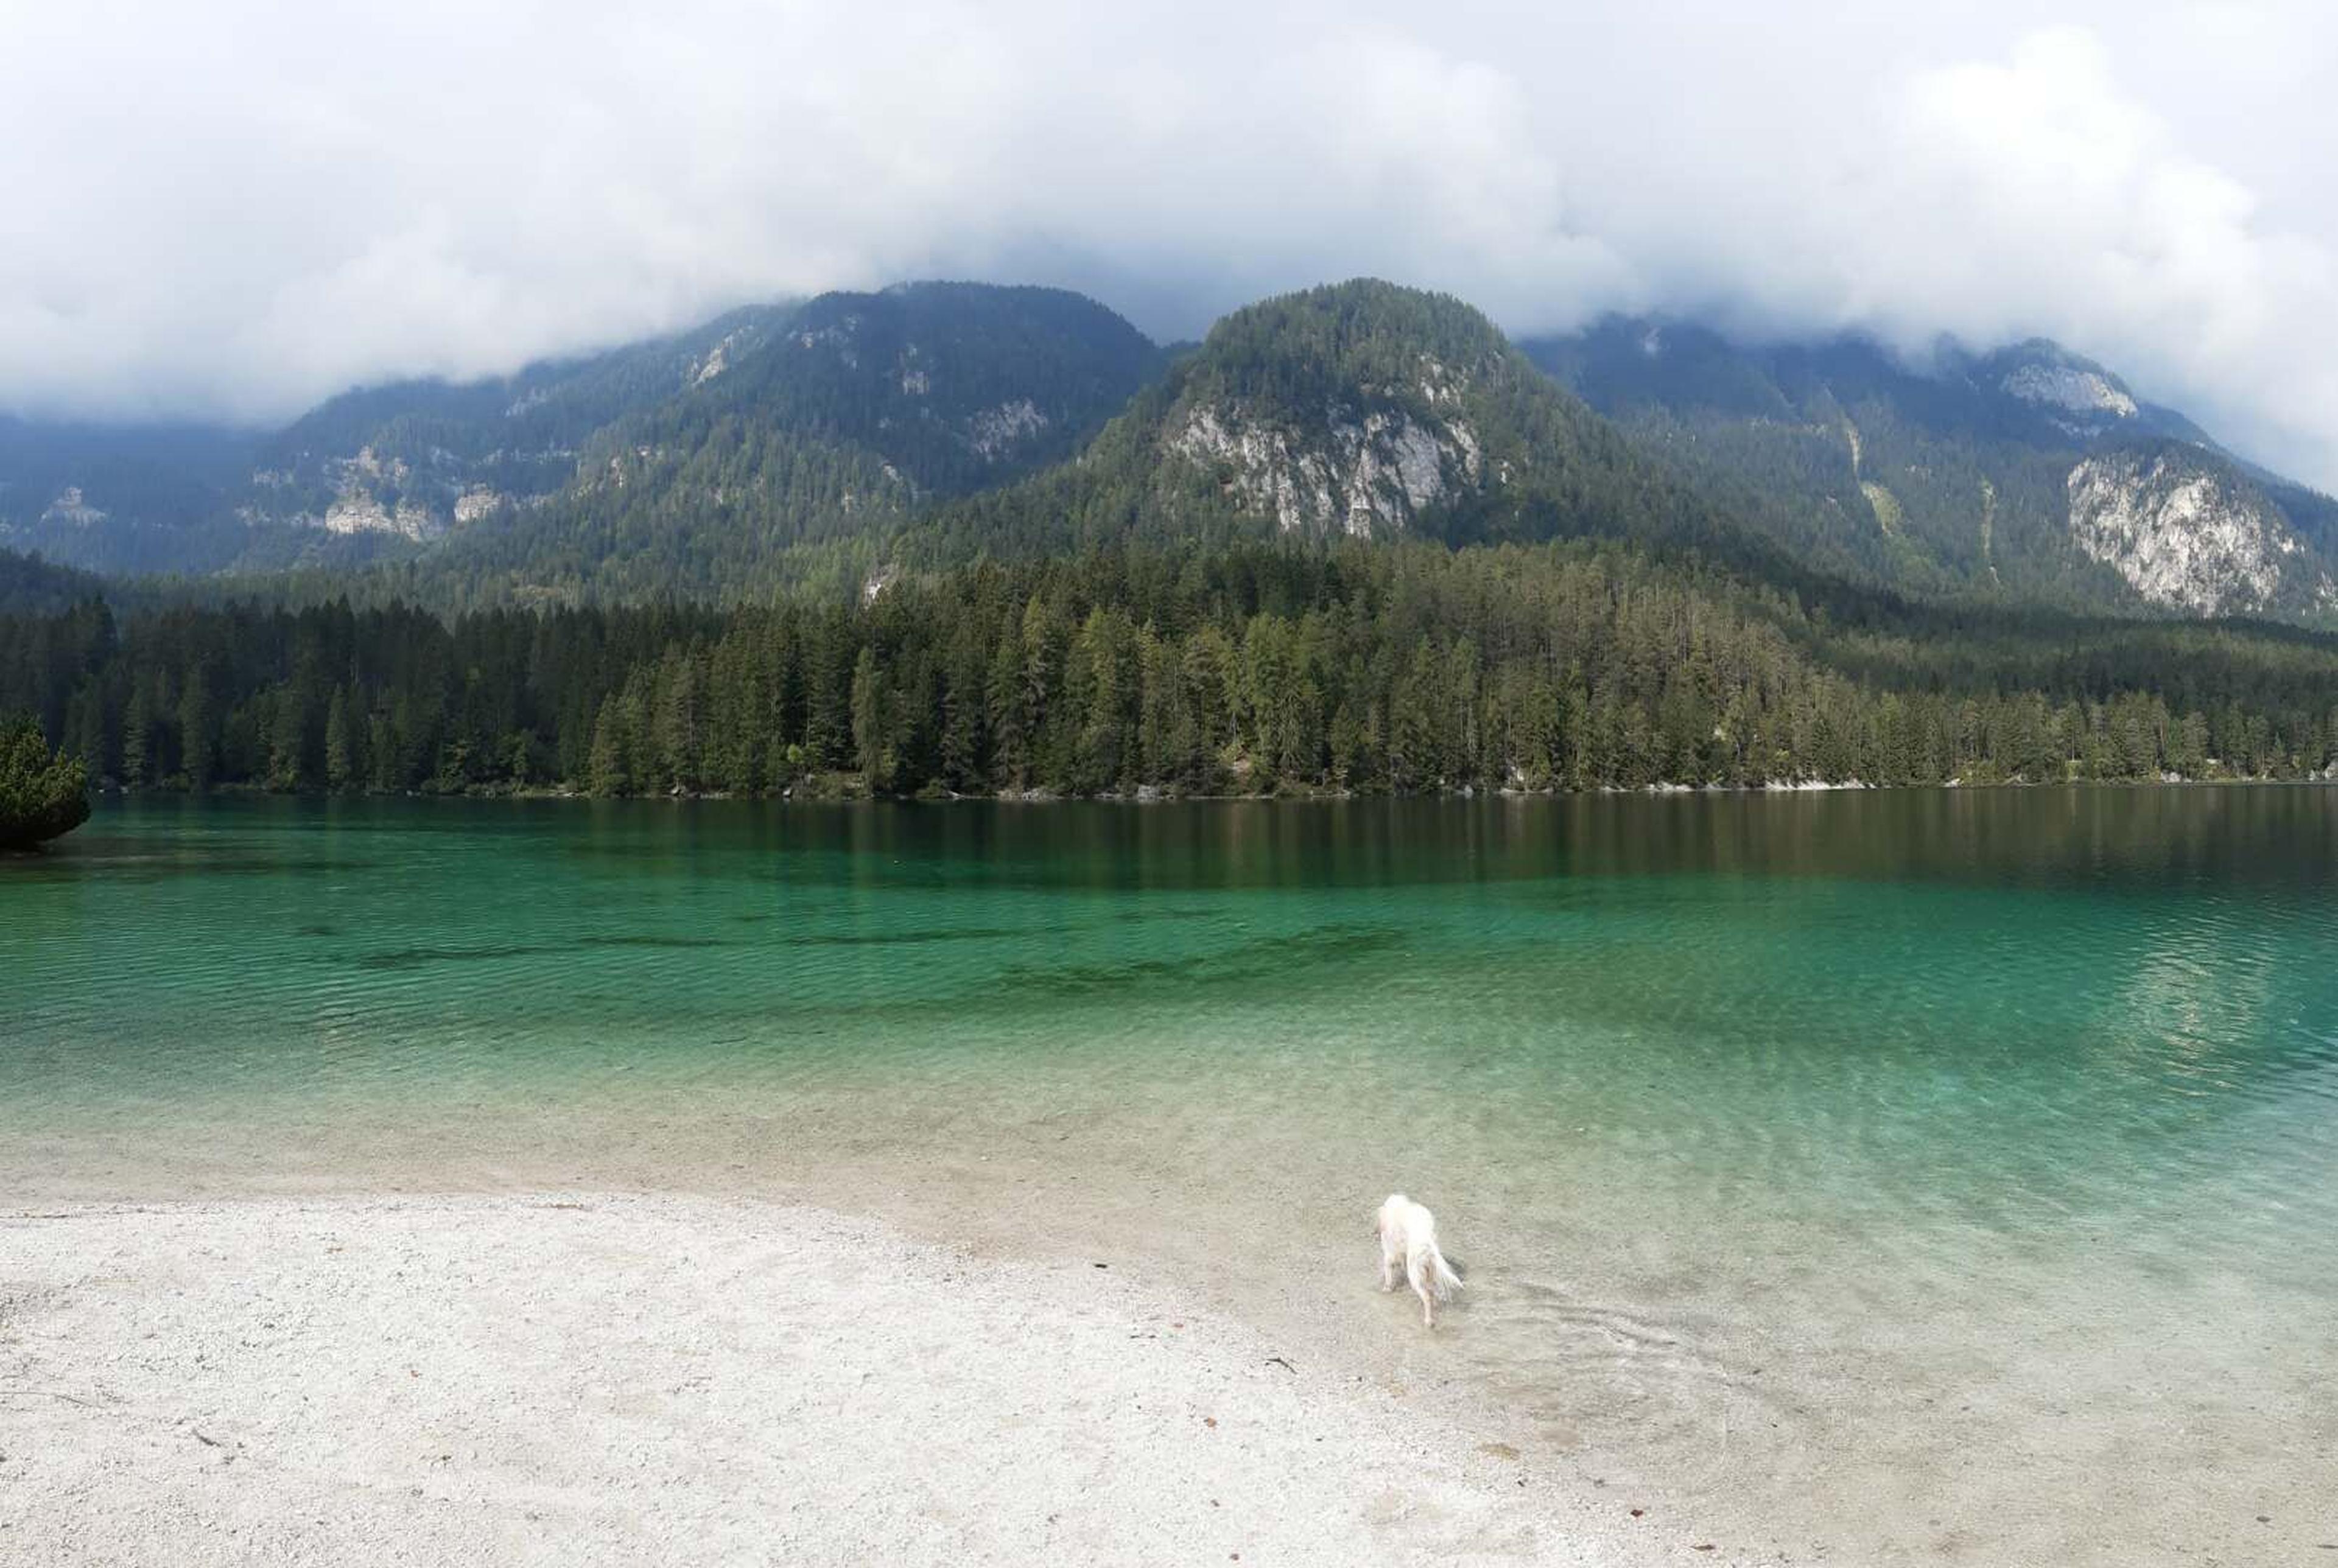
(815, 438)
(1960, 478)
(1361, 410)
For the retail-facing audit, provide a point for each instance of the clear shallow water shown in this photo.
(1920, 1176)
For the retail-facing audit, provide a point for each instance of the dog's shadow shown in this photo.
(1461, 1300)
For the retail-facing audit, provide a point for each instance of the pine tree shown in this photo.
(138, 724)
(871, 727)
(828, 695)
(679, 732)
(341, 765)
(965, 707)
(611, 771)
(92, 738)
(1010, 733)
(198, 729)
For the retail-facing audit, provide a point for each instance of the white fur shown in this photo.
(1409, 1231)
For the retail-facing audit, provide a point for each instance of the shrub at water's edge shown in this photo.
(42, 794)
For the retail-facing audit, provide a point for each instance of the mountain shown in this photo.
(861, 410)
(835, 440)
(955, 385)
(2028, 474)
(127, 500)
(369, 473)
(1356, 410)
(411, 460)
(767, 427)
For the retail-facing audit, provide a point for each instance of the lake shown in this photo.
(1901, 1176)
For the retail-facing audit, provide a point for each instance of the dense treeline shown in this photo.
(1249, 669)
(29, 584)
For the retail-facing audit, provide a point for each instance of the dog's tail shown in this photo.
(1437, 1275)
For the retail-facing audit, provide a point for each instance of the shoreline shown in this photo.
(628, 1377)
(1158, 798)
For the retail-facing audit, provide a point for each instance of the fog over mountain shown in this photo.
(232, 211)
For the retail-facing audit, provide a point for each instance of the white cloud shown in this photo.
(240, 207)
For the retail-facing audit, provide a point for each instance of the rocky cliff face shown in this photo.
(1360, 472)
(994, 435)
(365, 493)
(2188, 533)
(2087, 399)
(70, 509)
(2074, 395)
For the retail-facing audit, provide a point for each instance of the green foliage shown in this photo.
(42, 795)
(1289, 358)
(1252, 667)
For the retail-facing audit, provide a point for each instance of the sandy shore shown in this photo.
(625, 1378)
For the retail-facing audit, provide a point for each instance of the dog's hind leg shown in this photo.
(1388, 1264)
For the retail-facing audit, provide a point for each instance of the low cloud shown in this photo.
(234, 210)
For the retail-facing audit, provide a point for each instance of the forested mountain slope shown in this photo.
(865, 408)
(2027, 474)
(413, 459)
(836, 441)
(123, 499)
(372, 473)
(1358, 410)
(657, 468)
(28, 583)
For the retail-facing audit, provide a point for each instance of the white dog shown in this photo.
(1409, 1231)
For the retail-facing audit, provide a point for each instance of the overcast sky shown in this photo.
(232, 209)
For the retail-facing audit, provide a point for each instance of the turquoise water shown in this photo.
(1920, 1176)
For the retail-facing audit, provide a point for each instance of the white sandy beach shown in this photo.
(624, 1379)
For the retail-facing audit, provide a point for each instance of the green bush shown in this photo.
(42, 794)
